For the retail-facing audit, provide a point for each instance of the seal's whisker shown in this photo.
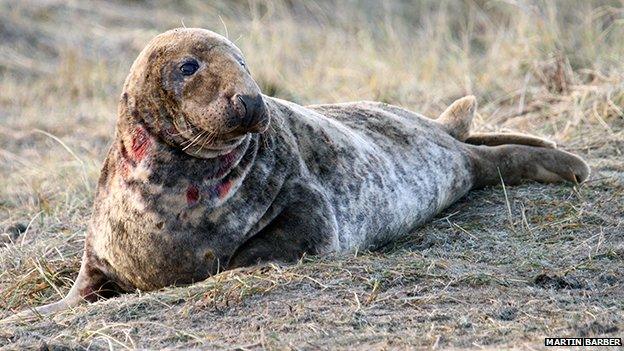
(192, 142)
(209, 139)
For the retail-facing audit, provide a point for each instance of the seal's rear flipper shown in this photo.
(90, 285)
(494, 139)
(457, 118)
(513, 163)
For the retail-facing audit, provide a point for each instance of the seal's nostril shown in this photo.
(250, 109)
(242, 101)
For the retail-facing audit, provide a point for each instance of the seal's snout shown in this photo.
(252, 112)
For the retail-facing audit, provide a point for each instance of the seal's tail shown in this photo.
(457, 121)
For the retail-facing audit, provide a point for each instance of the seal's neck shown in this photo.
(150, 148)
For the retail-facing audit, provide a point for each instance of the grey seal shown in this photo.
(205, 173)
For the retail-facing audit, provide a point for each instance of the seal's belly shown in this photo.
(390, 195)
(384, 173)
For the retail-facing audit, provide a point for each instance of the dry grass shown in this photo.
(496, 270)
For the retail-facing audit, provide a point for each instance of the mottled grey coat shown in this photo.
(321, 179)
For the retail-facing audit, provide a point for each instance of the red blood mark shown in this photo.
(224, 188)
(140, 143)
(192, 195)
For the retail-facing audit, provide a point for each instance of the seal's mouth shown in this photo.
(202, 142)
(257, 124)
(206, 142)
(198, 140)
(212, 134)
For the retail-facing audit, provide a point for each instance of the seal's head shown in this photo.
(192, 88)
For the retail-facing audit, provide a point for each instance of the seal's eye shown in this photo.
(189, 67)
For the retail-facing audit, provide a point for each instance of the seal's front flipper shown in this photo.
(90, 285)
(513, 163)
(494, 139)
(457, 118)
(290, 236)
